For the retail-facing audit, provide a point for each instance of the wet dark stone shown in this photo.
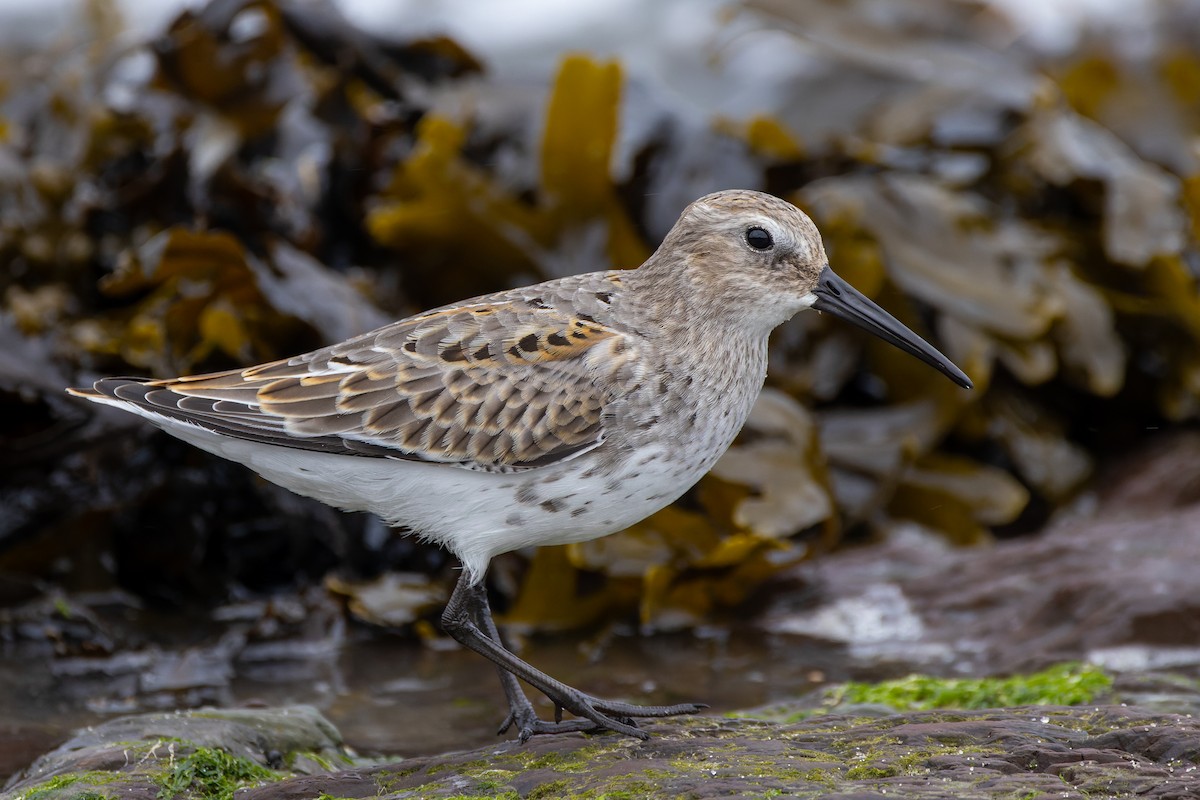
(1113, 583)
(1066, 752)
(133, 756)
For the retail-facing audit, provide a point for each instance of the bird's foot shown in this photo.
(468, 618)
(615, 708)
(529, 725)
(595, 715)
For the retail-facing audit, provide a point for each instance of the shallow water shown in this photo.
(396, 697)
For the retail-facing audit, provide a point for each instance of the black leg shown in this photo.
(520, 710)
(468, 619)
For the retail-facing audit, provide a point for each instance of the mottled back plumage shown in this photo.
(507, 381)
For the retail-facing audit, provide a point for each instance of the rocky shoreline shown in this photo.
(1071, 752)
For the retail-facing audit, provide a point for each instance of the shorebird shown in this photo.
(554, 413)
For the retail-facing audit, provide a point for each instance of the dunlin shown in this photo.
(556, 413)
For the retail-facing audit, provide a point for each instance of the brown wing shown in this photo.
(495, 385)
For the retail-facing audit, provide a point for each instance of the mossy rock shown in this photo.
(208, 753)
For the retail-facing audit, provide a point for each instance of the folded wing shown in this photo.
(496, 386)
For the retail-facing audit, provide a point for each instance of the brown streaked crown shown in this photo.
(708, 250)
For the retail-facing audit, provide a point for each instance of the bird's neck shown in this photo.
(671, 308)
(703, 342)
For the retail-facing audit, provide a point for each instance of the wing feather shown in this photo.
(501, 385)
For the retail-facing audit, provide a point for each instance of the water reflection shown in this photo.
(390, 696)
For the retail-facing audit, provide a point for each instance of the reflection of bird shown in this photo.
(555, 413)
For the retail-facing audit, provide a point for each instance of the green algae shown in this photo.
(825, 777)
(83, 784)
(520, 761)
(1068, 684)
(492, 776)
(553, 789)
(325, 762)
(578, 761)
(875, 764)
(389, 779)
(212, 774)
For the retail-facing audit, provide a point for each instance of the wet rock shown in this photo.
(1112, 582)
(1114, 751)
(207, 751)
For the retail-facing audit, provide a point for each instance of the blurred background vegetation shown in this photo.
(261, 178)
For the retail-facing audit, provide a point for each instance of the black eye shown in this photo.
(759, 239)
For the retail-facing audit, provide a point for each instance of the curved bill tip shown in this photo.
(839, 298)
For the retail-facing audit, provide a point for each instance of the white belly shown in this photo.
(474, 515)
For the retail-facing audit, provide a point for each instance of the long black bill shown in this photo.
(841, 299)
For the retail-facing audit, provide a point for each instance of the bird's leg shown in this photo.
(468, 619)
(520, 710)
